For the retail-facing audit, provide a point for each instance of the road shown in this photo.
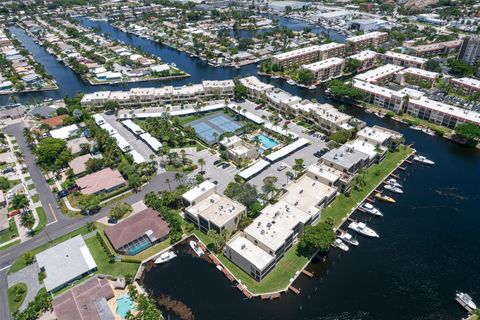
(58, 223)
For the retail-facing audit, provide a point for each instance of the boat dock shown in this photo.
(243, 290)
(307, 273)
(270, 296)
(294, 290)
(464, 305)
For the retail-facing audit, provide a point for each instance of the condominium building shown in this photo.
(381, 96)
(470, 50)
(403, 60)
(346, 159)
(441, 113)
(208, 209)
(365, 41)
(465, 86)
(238, 150)
(433, 49)
(297, 57)
(137, 97)
(420, 77)
(384, 73)
(325, 70)
(256, 88)
(331, 50)
(366, 57)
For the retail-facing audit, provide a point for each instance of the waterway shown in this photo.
(429, 240)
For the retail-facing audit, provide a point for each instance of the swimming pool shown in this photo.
(266, 142)
(124, 305)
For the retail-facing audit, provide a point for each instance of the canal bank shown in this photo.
(426, 250)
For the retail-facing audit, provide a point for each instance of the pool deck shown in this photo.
(112, 303)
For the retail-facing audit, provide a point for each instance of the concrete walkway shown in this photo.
(29, 276)
(9, 241)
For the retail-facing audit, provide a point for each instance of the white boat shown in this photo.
(465, 300)
(371, 209)
(195, 247)
(423, 160)
(393, 182)
(362, 228)
(418, 128)
(348, 238)
(290, 81)
(393, 188)
(340, 245)
(166, 256)
(428, 131)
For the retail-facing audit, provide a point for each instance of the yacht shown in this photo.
(166, 256)
(393, 182)
(195, 247)
(428, 131)
(290, 81)
(384, 198)
(465, 300)
(371, 209)
(340, 245)
(394, 189)
(418, 128)
(348, 238)
(423, 160)
(362, 228)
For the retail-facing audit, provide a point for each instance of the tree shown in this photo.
(134, 181)
(318, 237)
(344, 91)
(4, 184)
(19, 201)
(468, 132)
(27, 220)
(240, 91)
(201, 162)
(460, 68)
(53, 153)
(88, 203)
(245, 193)
(219, 239)
(298, 166)
(94, 164)
(269, 184)
(433, 65)
(305, 76)
(29, 258)
(120, 210)
(29, 136)
(352, 65)
(340, 136)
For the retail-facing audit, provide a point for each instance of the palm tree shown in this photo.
(178, 177)
(29, 137)
(168, 182)
(289, 175)
(184, 156)
(201, 162)
(27, 220)
(269, 184)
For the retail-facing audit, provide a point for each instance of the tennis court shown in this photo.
(210, 128)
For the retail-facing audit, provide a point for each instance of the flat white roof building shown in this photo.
(250, 252)
(196, 192)
(323, 64)
(373, 135)
(377, 74)
(133, 127)
(64, 132)
(403, 60)
(65, 262)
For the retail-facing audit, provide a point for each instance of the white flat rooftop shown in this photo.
(274, 156)
(379, 73)
(404, 57)
(252, 253)
(193, 194)
(254, 169)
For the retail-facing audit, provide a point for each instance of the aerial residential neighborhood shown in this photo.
(239, 160)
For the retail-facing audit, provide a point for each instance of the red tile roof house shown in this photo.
(105, 180)
(138, 232)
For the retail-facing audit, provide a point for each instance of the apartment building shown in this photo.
(441, 113)
(366, 57)
(256, 88)
(434, 49)
(297, 57)
(136, 97)
(208, 209)
(238, 150)
(326, 70)
(381, 96)
(423, 78)
(470, 50)
(403, 60)
(331, 50)
(365, 41)
(346, 159)
(385, 73)
(465, 86)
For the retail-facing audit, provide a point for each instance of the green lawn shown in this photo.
(31, 186)
(103, 264)
(35, 198)
(15, 305)
(9, 234)
(42, 217)
(374, 175)
(13, 183)
(20, 262)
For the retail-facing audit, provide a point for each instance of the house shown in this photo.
(64, 132)
(105, 180)
(75, 145)
(208, 209)
(78, 165)
(54, 122)
(238, 150)
(86, 301)
(64, 263)
(138, 232)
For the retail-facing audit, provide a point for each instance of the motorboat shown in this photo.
(417, 128)
(362, 228)
(394, 189)
(423, 160)
(340, 245)
(195, 247)
(430, 132)
(384, 198)
(465, 300)
(291, 82)
(348, 238)
(166, 256)
(393, 182)
(371, 209)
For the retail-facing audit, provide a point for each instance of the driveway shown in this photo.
(29, 276)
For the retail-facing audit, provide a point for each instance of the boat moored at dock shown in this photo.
(423, 160)
(371, 209)
(166, 256)
(348, 238)
(385, 198)
(393, 182)
(362, 228)
(465, 301)
(394, 189)
(196, 248)
(340, 245)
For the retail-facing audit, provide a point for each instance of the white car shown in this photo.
(281, 167)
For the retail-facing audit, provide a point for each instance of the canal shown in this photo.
(429, 239)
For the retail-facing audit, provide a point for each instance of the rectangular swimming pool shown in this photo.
(266, 143)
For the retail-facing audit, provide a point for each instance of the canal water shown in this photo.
(429, 240)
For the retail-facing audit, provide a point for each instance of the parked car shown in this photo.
(73, 188)
(217, 162)
(62, 193)
(226, 165)
(287, 122)
(13, 213)
(259, 107)
(112, 220)
(281, 167)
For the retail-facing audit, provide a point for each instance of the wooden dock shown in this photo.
(245, 292)
(294, 290)
(270, 296)
(307, 273)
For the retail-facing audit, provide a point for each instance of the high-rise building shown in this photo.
(470, 50)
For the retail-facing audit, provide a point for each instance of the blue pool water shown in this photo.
(266, 142)
(124, 305)
(138, 247)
